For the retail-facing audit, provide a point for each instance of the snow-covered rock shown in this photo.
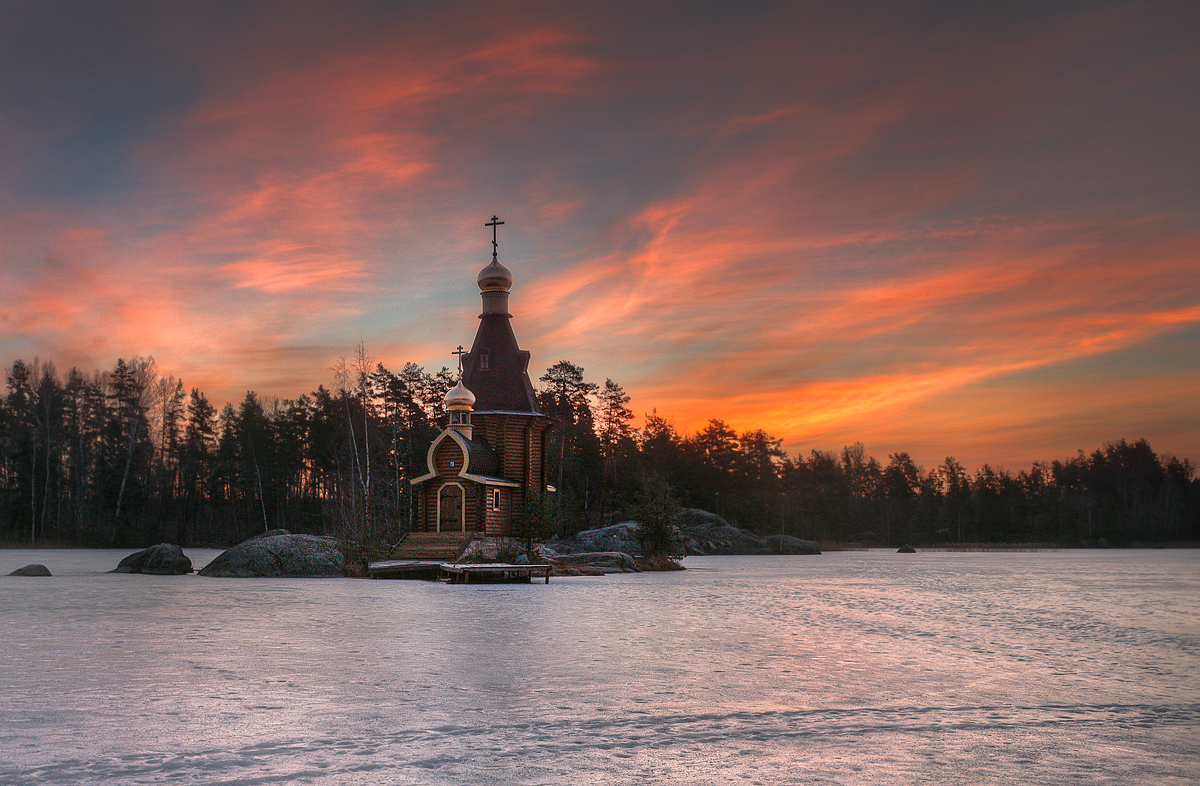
(492, 549)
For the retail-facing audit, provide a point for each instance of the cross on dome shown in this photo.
(495, 222)
(495, 278)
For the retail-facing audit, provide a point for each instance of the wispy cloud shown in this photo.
(819, 222)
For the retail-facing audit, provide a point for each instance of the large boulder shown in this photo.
(707, 533)
(699, 532)
(604, 561)
(165, 559)
(492, 549)
(786, 544)
(279, 553)
(617, 537)
(31, 570)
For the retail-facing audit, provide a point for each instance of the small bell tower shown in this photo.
(460, 402)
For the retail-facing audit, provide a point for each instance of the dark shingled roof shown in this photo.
(482, 458)
(502, 383)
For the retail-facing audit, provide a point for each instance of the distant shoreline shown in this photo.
(971, 547)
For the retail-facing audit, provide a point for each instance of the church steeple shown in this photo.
(491, 456)
(495, 280)
(496, 368)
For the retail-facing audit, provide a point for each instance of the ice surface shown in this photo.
(853, 667)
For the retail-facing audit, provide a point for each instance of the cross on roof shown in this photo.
(495, 222)
(460, 352)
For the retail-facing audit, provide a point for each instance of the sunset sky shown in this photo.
(925, 227)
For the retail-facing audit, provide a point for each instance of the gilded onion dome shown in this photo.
(459, 397)
(495, 277)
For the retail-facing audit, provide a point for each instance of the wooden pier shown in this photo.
(430, 570)
(457, 573)
(494, 572)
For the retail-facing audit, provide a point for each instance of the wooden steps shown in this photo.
(440, 546)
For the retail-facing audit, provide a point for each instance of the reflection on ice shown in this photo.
(844, 668)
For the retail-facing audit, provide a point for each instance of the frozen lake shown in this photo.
(845, 668)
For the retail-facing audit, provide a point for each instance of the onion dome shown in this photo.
(495, 277)
(459, 397)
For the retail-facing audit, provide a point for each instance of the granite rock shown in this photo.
(707, 533)
(164, 559)
(280, 554)
(616, 537)
(786, 544)
(699, 532)
(604, 561)
(31, 570)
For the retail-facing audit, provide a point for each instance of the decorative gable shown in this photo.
(449, 458)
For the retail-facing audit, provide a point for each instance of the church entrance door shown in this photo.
(452, 509)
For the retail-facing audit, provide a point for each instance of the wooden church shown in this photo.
(491, 455)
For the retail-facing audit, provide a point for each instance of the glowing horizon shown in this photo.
(970, 234)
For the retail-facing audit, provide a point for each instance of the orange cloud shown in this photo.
(823, 227)
(276, 272)
(719, 311)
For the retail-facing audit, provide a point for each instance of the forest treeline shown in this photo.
(130, 457)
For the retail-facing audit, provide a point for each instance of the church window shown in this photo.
(495, 499)
(484, 361)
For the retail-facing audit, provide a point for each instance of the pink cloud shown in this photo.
(821, 229)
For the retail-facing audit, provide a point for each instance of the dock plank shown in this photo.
(494, 571)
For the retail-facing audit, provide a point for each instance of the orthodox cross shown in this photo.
(460, 354)
(495, 222)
